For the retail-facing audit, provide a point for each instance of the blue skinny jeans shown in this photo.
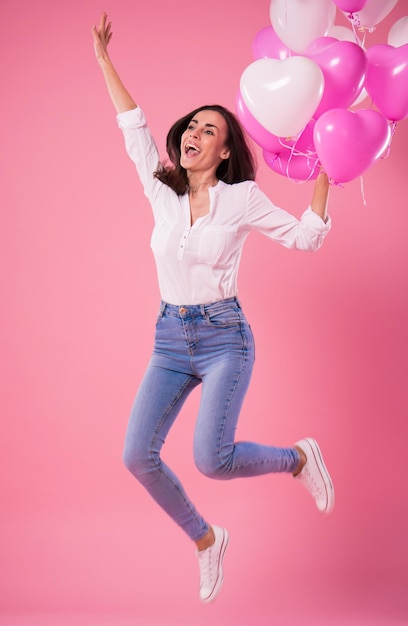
(211, 345)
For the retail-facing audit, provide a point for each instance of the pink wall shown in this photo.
(79, 298)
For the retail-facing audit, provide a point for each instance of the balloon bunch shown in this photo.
(295, 97)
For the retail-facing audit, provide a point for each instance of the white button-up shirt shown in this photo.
(198, 264)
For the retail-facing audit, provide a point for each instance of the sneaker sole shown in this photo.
(328, 483)
(220, 579)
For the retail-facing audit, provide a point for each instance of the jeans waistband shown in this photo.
(196, 310)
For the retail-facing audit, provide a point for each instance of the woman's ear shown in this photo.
(225, 154)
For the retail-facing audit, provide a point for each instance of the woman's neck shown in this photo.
(197, 184)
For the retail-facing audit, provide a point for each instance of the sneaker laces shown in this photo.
(314, 487)
(205, 563)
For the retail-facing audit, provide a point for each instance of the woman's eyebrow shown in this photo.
(208, 125)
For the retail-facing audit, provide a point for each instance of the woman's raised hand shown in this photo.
(121, 98)
(101, 37)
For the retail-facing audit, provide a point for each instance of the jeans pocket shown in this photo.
(224, 318)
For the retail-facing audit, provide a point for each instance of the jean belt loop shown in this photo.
(202, 310)
(162, 308)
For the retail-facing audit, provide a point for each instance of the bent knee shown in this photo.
(212, 466)
(137, 462)
(130, 461)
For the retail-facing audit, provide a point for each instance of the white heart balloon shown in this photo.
(374, 12)
(282, 95)
(342, 33)
(298, 22)
(398, 34)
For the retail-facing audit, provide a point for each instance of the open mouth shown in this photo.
(191, 149)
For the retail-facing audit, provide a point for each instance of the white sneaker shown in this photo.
(315, 477)
(210, 562)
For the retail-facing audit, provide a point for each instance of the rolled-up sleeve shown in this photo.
(306, 233)
(141, 148)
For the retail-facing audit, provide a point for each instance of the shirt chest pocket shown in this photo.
(215, 245)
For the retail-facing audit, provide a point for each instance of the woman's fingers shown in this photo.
(108, 32)
(102, 22)
(102, 35)
(104, 29)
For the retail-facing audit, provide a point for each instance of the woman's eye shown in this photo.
(209, 132)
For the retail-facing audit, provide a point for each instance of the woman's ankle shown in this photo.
(302, 461)
(206, 541)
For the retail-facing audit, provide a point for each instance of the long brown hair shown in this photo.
(238, 167)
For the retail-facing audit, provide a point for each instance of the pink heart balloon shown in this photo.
(387, 80)
(351, 6)
(348, 143)
(282, 95)
(267, 44)
(318, 45)
(344, 67)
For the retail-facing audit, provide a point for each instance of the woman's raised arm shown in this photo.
(321, 195)
(121, 98)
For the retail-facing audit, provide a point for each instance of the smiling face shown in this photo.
(203, 143)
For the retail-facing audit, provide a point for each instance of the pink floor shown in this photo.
(303, 604)
(290, 618)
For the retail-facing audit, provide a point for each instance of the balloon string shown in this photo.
(285, 170)
(295, 139)
(393, 126)
(355, 23)
(362, 191)
(309, 154)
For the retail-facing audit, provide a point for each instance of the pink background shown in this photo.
(81, 541)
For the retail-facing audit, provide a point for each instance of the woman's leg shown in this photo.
(226, 373)
(226, 376)
(158, 402)
(216, 452)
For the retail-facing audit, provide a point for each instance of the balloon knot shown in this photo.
(354, 18)
(334, 183)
